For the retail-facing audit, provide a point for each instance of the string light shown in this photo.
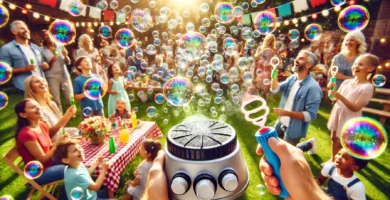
(12, 6)
(24, 11)
(325, 13)
(95, 24)
(89, 24)
(111, 23)
(314, 16)
(77, 24)
(28, 6)
(295, 21)
(47, 18)
(286, 22)
(36, 15)
(304, 19)
(383, 40)
(337, 8)
(82, 24)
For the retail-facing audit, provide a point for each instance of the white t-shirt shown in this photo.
(355, 192)
(30, 55)
(289, 102)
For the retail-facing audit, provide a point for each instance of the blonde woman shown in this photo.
(263, 56)
(86, 49)
(353, 45)
(36, 88)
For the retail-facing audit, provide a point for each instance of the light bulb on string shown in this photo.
(36, 15)
(286, 22)
(28, 6)
(82, 24)
(314, 16)
(24, 11)
(337, 8)
(111, 23)
(304, 19)
(295, 20)
(89, 24)
(77, 24)
(12, 6)
(47, 18)
(325, 13)
(95, 24)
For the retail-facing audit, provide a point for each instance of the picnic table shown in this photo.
(124, 152)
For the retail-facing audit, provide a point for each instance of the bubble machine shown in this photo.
(204, 161)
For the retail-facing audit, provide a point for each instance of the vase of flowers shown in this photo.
(96, 129)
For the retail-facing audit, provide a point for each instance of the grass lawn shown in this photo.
(374, 176)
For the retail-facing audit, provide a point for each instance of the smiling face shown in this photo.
(75, 155)
(85, 65)
(120, 104)
(32, 111)
(116, 69)
(300, 62)
(39, 85)
(21, 31)
(362, 67)
(345, 161)
(351, 43)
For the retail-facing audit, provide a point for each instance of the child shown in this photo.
(76, 175)
(83, 65)
(148, 150)
(351, 97)
(121, 110)
(343, 183)
(116, 88)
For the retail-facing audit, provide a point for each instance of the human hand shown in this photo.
(45, 66)
(281, 112)
(334, 93)
(63, 137)
(71, 111)
(116, 92)
(294, 171)
(129, 183)
(331, 85)
(99, 160)
(64, 52)
(54, 58)
(31, 67)
(156, 187)
(105, 166)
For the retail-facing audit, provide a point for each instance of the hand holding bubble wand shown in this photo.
(333, 71)
(32, 63)
(263, 135)
(274, 62)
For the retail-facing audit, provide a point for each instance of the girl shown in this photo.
(351, 97)
(116, 88)
(148, 150)
(121, 110)
(36, 88)
(33, 140)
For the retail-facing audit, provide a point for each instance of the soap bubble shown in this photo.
(77, 193)
(379, 80)
(282, 37)
(245, 6)
(33, 169)
(151, 111)
(150, 91)
(206, 22)
(165, 121)
(141, 21)
(94, 88)
(364, 138)
(186, 14)
(202, 29)
(238, 11)
(234, 72)
(136, 109)
(131, 97)
(159, 98)
(139, 55)
(260, 189)
(313, 32)
(126, 9)
(222, 117)
(195, 79)
(337, 2)
(190, 27)
(212, 109)
(256, 34)
(353, 17)
(3, 100)
(62, 32)
(201, 102)
(152, 4)
(105, 32)
(75, 7)
(209, 79)
(157, 42)
(294, 44)
(219, 92)
(172, 23)
(235, 88)
(6, 197)
(165, 11)
(201, 71)
(189, 73)
(5, 72)
(225, 78)
(214, 114)
(215, 86)
(247, 77)
(293, 34)
(124, 38)
(114, 4)
(165, 110)
(102, 5)
(4, 16)
(265, 22)
(204, 7)
(178, 91)
(218, 100)
(151, 49)
(224, 12)
(87, 111)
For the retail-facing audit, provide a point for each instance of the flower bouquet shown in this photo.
(97, 129)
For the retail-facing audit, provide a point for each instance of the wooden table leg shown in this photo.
(382, 119)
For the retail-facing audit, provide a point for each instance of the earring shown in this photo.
(146, 151)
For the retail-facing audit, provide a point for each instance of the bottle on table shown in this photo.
(133, 119)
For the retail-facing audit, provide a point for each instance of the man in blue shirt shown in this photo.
(24, 57)
(301, 98)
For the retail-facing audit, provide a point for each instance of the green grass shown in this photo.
(375, 177)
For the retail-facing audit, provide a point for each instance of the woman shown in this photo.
(36, 88)
(86, 49)
(33, 141)
(57, 75)
(263, 68)
(353, 46)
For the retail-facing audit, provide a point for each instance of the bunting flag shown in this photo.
(51, 3)
(300, 5)
(285, 10)
(315, 3)
(254, 15)
(108, 15)
(120, 17)
(246, 19)
(273, 10)
(64, 5)
(95, 13)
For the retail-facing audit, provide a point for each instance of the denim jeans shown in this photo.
(281, 130)
(53, 173)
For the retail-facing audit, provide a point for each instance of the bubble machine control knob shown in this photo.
(228, 180)
(205, 186)
(181, 183)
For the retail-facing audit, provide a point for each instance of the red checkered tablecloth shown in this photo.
(124, 152)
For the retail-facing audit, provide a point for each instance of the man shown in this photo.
(132, 59)
(24, 57)
(301, 98)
